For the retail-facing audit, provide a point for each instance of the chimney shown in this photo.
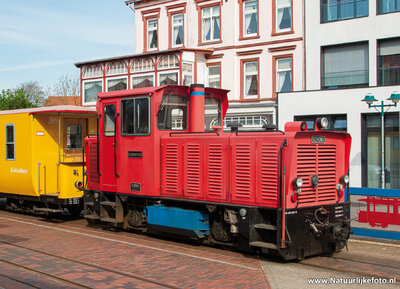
(197, 107)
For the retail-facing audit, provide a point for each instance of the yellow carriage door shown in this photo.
(74, 132)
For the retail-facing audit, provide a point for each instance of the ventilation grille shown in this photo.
(192, 169)
(269, 173)
(171, 168)
(243, 171)
(317, 159)
(94, 176)
(215, 170)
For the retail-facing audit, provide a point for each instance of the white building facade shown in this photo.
(253, 48)
(352, 48)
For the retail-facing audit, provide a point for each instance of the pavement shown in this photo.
(284, 275)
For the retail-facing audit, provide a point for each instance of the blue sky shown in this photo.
(40, 40)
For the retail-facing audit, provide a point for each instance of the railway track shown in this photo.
(360, 265)
(52, 258)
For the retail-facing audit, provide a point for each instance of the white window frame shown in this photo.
(283, 70)
(213, 77)
(84, 102)
(7, 142)
(117, 78)
(245, 34)
(141, 75)
(282, 6)
(212, 16)
(167, 72)
(173, 30)
(151, 29)
(245, 74)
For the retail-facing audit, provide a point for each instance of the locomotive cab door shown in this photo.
(108, 153)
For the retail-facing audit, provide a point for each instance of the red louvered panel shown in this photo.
(193, 171)
(267, 191)
(172, 169)
(216, 170)
(242, 173)
(317, 159)
(94, 177)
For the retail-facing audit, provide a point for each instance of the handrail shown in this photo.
(115, 146)
(39, 190)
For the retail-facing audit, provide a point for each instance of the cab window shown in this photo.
(212, 112)
(135, 118)
(172, 114)
(109, 120)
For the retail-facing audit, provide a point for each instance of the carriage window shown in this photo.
(109, 120)
(172, 114)
(135, 116)
(74, 136)
(10, 141)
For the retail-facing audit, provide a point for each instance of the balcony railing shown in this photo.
(389, 75)
(346, 79)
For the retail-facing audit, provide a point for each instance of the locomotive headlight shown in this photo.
(322, 122)
(344, 179)
(297, 182)
(242, 212)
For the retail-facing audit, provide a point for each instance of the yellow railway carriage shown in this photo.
(42, 157)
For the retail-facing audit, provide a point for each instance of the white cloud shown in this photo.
(35, 65)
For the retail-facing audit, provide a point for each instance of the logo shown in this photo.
(18, 171)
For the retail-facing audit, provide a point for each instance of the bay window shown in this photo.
(90, 90)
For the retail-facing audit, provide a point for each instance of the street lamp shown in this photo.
(370, 99)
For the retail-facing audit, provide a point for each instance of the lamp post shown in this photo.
(370, 99)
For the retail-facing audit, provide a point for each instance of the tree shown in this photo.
(34, 91)
(67, 85)
(15, 99)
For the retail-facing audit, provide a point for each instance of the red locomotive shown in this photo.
(389, 216)
(153, 167)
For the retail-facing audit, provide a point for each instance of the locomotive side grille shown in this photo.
(171, 168)
(215, 170)
(269, 172)
(317, 159)
(243, 170)
(94, 176)
(192, 169)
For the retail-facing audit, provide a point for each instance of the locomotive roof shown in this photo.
(151, 89)
(50, 109)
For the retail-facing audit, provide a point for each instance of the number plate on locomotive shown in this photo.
(317, 139)
(135, 155)
(135, 187)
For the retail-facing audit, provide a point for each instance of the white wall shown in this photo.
(346, 101)
(368, 29)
